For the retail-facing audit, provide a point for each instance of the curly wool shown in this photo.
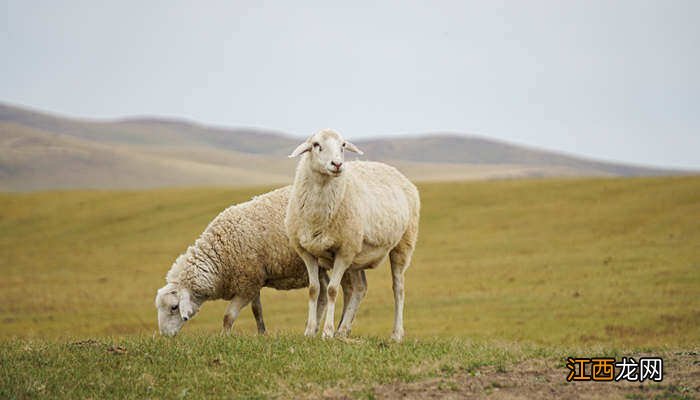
(242, 250)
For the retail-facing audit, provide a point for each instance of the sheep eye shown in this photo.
(317, 145)
(175, 307)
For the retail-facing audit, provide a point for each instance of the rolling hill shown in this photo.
(42, 151)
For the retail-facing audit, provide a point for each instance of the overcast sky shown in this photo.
(616, 80)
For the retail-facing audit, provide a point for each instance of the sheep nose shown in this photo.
(336, 164)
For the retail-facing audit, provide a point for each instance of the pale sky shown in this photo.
(615, 80)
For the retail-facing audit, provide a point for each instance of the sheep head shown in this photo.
(326, 152)
(175, 306)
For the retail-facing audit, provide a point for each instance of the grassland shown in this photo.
(504, 271)
(216, 366)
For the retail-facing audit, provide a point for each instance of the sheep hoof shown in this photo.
(310, 332)
(327, 334)
(397, 336)
(342, 333)
(228, 323)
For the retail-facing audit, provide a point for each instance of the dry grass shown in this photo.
(567, 262)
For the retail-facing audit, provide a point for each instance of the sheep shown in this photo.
(243, 249)
(349, 216)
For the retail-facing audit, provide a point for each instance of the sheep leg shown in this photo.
(397, 286)
(314, 288)
(363, 286)
(346, 284)
(359, 289)
(340, 265)
(232, 311)
(258, 314)
(322, 296)
(400, 258)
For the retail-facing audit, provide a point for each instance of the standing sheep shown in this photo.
(243, 249)
(349, 215)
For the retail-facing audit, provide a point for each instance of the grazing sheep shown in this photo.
(243, 249)
(349, 216)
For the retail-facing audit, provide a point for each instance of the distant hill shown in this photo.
(34, 160)
(151, 131)
(43, 151)
(460, 149)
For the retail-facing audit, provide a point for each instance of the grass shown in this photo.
(212, 366)
(604, 261)
(539, 264)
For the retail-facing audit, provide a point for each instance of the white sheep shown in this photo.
(349, 216)
(242, 250)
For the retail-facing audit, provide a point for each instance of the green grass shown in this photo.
(212, 366)
(576, 263)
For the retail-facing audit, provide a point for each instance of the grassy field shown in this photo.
(509, 268)
(214, 366)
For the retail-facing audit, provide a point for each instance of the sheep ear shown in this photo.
(160, 293)
(301, 149)
(186, 307)
(351, 147)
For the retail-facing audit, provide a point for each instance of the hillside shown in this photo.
(457, 149)
(33, 159)
(42, 151)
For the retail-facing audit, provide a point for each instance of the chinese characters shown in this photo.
(606, 369)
